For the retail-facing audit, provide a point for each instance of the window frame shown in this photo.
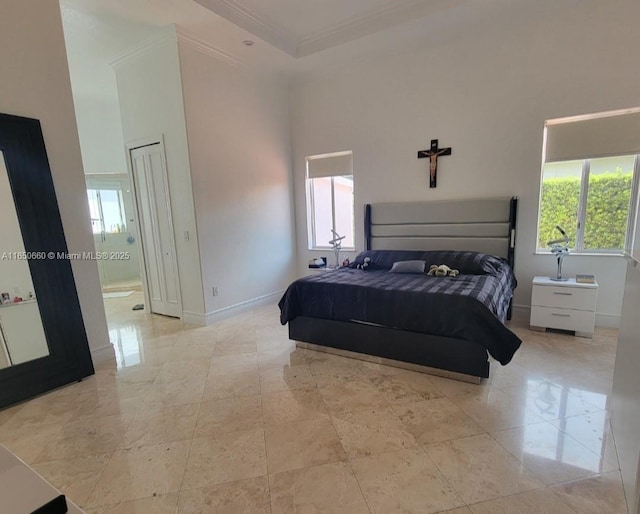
(582, 209)
(311, 228)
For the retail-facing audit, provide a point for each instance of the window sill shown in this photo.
(582, 254)
(329, 249)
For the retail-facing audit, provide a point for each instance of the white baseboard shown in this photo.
(607, 320)
(194, 318)
(523, 313)
(226, 312)
(102, 354)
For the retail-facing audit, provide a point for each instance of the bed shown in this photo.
(451, 326)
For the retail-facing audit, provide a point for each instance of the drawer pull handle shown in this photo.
(561, 315)
(563, 294)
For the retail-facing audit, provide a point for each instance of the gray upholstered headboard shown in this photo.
(485, 225)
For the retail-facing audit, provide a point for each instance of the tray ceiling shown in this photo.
(304, 27)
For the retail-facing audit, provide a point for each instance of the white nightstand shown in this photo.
(564, 305)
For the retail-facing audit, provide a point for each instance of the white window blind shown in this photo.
(332, 165)
(592, 137)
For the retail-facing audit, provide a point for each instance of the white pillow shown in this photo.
(408, 267)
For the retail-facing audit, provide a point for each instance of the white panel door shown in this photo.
(158, 243)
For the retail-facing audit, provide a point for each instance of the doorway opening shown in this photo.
(112, 210)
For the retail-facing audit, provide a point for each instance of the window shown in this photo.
(106, 205)
(587, 188)
(330, 199)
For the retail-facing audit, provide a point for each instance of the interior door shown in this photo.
(158, 243)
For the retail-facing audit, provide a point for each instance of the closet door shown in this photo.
(158, 243)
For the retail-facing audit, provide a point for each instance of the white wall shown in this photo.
(100, 131)
(151, 105)
(35, 83)
(625, 408)
(486, 97)
(239, 146)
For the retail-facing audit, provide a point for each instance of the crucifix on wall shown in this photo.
(433, 153)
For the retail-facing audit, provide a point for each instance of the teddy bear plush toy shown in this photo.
(442, 271)
(365, 264)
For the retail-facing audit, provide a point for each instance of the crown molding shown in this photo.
(362, 25)
(258, 25)
(144, 47)
(202, 46)
(353, 28)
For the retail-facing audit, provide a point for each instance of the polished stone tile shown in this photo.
(172, 423)
(179, 390)
(404, 481)
(551, 454)
(192, 350)
(181, 369)
(235, 346)
(539, 501)
(594, 432)
(235, 362)
(371, 432)
(140, 473)
(75, 477)
(450, 388)
(29, 444)
(235, 382)
(52, 408)
(326, 488)
(302, 444)
(551, 401)
(495, 409)
(225, 458)
(229, 415)
(286, 378)
(87, 436)
(480, 469)
(165, 504)
(353, 395)
(280, 358)
(595, 495)
(437, 420)
(210, 390)
(250, 496)
(268, 342)
(294, 405)
(8, 413)
(399, 386)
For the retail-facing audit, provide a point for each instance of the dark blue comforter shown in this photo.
(471, 306)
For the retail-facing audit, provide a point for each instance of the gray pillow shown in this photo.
(408, 267)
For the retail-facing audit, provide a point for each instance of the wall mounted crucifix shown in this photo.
(433, 153)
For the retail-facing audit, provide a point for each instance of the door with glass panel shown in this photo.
(114, 230)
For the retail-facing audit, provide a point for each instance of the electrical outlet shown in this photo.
(215, 290)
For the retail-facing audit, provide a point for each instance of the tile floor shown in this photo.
(232, 418)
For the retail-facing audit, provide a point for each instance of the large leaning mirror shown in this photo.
(43, 342)
(22, 336)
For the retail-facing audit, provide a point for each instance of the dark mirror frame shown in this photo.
(69, 360)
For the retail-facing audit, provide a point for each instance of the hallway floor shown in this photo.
(233, 418)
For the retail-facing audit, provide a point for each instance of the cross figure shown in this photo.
(433, 153)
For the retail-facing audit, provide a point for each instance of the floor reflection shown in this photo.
(128, 346)
(566, 408)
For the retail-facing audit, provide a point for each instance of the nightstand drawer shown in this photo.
(564, 297)
(565, 319)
